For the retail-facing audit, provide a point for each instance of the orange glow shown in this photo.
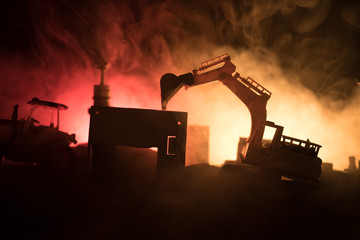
(143, 40)
(213, 105)
(291, 106)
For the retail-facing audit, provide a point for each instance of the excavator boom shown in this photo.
(208, 71)
(251, 93)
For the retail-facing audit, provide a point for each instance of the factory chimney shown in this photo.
(101, 91)
(352, 165)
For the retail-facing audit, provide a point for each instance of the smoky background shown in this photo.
(305, 52)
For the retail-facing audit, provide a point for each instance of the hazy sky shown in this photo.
(50, 48)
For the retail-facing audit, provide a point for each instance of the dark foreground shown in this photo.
(199, 202)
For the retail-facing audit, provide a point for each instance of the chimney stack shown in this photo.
(101, 91)
(352, 165)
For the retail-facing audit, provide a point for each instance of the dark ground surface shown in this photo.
(198, 202)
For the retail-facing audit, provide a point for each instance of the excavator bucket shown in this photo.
(171, 84)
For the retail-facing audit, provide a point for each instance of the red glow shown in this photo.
(50, 52)
(215, 106)
(211, 105)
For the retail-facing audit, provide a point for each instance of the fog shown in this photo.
(304, 52)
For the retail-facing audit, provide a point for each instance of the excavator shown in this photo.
(282, 155)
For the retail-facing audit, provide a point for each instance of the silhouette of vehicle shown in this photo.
(28, 140)
(279, 156)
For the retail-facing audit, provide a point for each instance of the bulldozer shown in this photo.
(27, 140)
(282, 155)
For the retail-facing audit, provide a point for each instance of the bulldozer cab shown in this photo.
(44, 113)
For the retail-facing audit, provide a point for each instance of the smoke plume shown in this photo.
(305, 52)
